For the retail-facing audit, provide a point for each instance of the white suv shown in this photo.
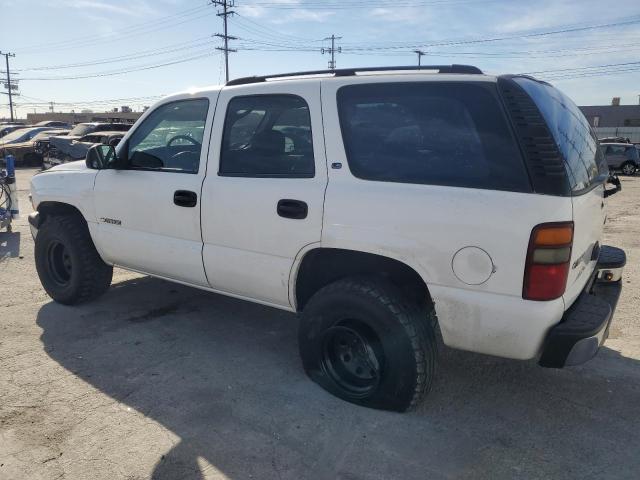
(382, 205)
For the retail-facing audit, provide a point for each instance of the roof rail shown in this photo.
(346, 72)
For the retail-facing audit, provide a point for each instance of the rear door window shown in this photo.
(267, 136)
(437, 133)
(571, 130)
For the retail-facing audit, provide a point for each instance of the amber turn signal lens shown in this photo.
(554, 235)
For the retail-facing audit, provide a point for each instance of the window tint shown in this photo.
(432, 133)
(81, 129)
(615, 150)
(170, 138)
(571, 130)
(267, 136)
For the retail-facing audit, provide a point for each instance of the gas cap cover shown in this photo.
(472, 265)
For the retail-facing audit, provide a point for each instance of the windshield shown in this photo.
(82, 129)
(17, 135)
(46, 135)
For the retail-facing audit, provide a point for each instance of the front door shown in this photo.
(148, 212)
(262, 200)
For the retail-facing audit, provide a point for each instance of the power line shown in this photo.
(141, 28)
(198, 42)
(121, 72)
(347, 5)
(226, 5)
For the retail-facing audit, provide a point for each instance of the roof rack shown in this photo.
(346, 72)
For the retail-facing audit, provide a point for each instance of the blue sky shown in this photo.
(102, 37)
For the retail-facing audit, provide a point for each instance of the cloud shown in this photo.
(133, 8)
(400, 15)
(304, 15)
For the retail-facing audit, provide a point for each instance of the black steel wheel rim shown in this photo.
(59, 263)
(352, 357)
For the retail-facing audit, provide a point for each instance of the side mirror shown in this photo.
(100, 157)
(615, 181)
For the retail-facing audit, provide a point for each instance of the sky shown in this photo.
(98, 54)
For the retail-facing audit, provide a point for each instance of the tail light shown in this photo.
(548, 257)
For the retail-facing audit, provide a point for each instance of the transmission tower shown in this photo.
(333, 50)
(8, 85)
(226, 5)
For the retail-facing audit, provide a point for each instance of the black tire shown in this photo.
(70, 269)
(628, 168)
(357, 324)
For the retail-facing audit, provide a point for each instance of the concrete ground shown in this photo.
(156, 380)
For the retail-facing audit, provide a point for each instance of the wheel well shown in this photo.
(323, 266)
(47, 209)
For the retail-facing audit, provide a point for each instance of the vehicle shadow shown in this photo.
(9, 245)
(224, 376)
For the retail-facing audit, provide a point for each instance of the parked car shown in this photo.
(60, 148)
(623, 157)
(615, 140)
(17, 141)
(77, 149)
(41, 140)
(379, 207)
(8, 128)
(53, 123)
(25, 152)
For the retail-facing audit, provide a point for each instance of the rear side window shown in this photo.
(434, 133)
(573, 134)
(267, 136)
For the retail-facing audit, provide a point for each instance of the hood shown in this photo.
(10, 146)
(62, 142)
(68, 167)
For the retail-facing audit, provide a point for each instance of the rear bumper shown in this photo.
(585, 325)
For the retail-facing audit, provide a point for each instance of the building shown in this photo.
(73, 117)
(609, 116)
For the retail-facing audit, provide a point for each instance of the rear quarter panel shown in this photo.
(425, 225)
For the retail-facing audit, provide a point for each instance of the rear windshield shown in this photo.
(574, 136)
(438, 133)
(81, 129)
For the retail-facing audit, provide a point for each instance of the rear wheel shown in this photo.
(629, 168)
(361, 340)
(69, 267)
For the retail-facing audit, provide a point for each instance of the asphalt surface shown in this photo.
(156, 380)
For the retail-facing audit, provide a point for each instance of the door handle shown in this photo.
(296, 209)
(185, 198)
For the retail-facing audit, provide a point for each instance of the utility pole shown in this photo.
(226, 5)
(332, 51)
(51, 104)
(9, 86)
(420, 53)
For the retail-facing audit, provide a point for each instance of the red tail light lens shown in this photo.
(548, 257)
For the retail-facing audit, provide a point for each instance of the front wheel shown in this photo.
(629, 168)
(69, 267)
(362, 341)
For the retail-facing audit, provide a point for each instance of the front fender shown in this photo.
(72, 187)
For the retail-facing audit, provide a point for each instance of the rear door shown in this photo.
(262, 199)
